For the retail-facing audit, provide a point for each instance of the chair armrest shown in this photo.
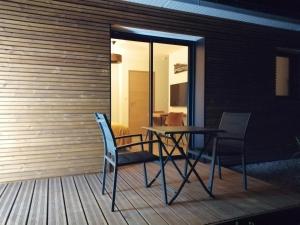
(129, 135)
(136, 143)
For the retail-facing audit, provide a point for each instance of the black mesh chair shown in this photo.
(229, 143)
(117, 156)
(297, 153)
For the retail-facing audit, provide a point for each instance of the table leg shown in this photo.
(170, 154)
(192, 169)
(169, 157)
(163, 178)
(187, 177)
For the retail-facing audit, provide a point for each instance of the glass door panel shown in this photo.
(130, 82)
(170, 84)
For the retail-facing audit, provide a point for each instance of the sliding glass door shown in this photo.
(149, 81)
(130, 86)
(170, 84)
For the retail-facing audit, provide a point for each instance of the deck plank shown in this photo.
(7, 200)
(78, 199)
(191, 211)
(247, 201)
(129, 212)
(231, 200)
(104, 202)
(234, 204)
(38, 211)
(92, 210)
(75, 213)
(2, 188)
(277, 199)
(154, 201)
(20, 210)
(225, 206)
(150, 215)
(56, 208)
(217, 206)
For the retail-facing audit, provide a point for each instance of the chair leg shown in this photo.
(244, 171)
(147, 135)
(145, 175)
(114, 188)
(212, 166)
(110, 168)
(186, 165)
(104, 175)
(219, 167)
(185, 168)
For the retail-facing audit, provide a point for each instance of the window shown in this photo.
(282, 76)
(288, 74)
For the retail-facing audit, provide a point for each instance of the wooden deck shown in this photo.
(77, 200)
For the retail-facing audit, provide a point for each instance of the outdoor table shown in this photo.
(175, 133)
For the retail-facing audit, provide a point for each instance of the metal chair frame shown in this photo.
(113, 152)
(236, 137)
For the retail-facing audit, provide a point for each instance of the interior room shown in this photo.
(130, 85)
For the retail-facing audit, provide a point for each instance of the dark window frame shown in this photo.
(191, 62)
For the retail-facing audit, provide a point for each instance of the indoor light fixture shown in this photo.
(115, 58)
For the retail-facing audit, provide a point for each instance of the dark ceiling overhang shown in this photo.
(284, 8)
(225, 12)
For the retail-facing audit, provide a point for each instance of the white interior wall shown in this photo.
(134, 57)
(178, 56)
(161, 81)
(115, 92)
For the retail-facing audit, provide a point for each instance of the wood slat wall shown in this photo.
(55, 72)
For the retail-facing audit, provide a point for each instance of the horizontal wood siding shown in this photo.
(55, 72)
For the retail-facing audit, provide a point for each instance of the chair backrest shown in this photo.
(108, 136)
(235, 124)
(298, 141)
(158, 119)
(174, 119)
